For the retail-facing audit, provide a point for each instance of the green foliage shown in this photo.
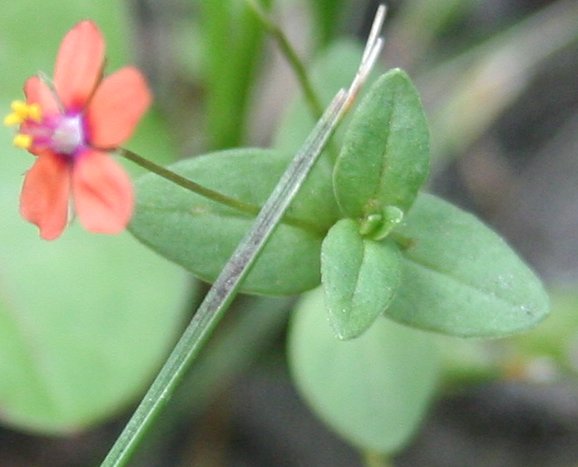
(201, 235)
(232, 45)
(79, 336)
(461, 278)
(372, 390)
(327, 14)
(457, 277)
(360, 277)
(330, 72)
(385, 155)
(429, 265)
(70, 359)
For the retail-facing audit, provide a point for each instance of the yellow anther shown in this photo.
(22, 141)
(22, 111)
(34, 112)
(19, 107)
(13, 119)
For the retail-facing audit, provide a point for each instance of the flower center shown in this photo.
(62, 134)
(68, 135)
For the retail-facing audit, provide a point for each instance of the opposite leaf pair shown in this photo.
(430, 265)
(380, 169)
(440, 269)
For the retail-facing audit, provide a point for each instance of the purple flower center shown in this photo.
(63, 134)
(68, 135)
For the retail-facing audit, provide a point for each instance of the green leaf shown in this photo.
(201, 235)
(461, 278)
(327, 15)
(332, 70)
(359, 277)
(385, 155)
(84, 324)
(373, 390)
(232, 42)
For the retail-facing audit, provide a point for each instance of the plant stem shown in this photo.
(189, 184)
(376, 459)
(232, 44)
(201, 190)
(293, 59)
(226, 286)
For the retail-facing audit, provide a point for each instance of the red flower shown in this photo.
(71, 126)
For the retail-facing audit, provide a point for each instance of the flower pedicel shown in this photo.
(70, 127)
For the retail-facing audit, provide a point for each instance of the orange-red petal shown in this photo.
(44, 197)
(38, 92)
(117, 106)
(102, 192)
(79, 65)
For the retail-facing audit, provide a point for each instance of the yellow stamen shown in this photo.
(19, 107)
(21, 111)
(34, 112)
(22, 141)
(12, 119)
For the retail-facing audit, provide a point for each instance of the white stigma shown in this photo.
(68, 135)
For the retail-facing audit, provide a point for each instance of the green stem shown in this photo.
(189, 184)
(376, 459)
(403, 242)
(293, 59)
(213, 195)
(232, 44)
(225, 287)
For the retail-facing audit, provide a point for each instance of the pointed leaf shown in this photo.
(461, 278)
(332, 70)
(385, 155)
(201, 235)
(373, 390)
(359, 276)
